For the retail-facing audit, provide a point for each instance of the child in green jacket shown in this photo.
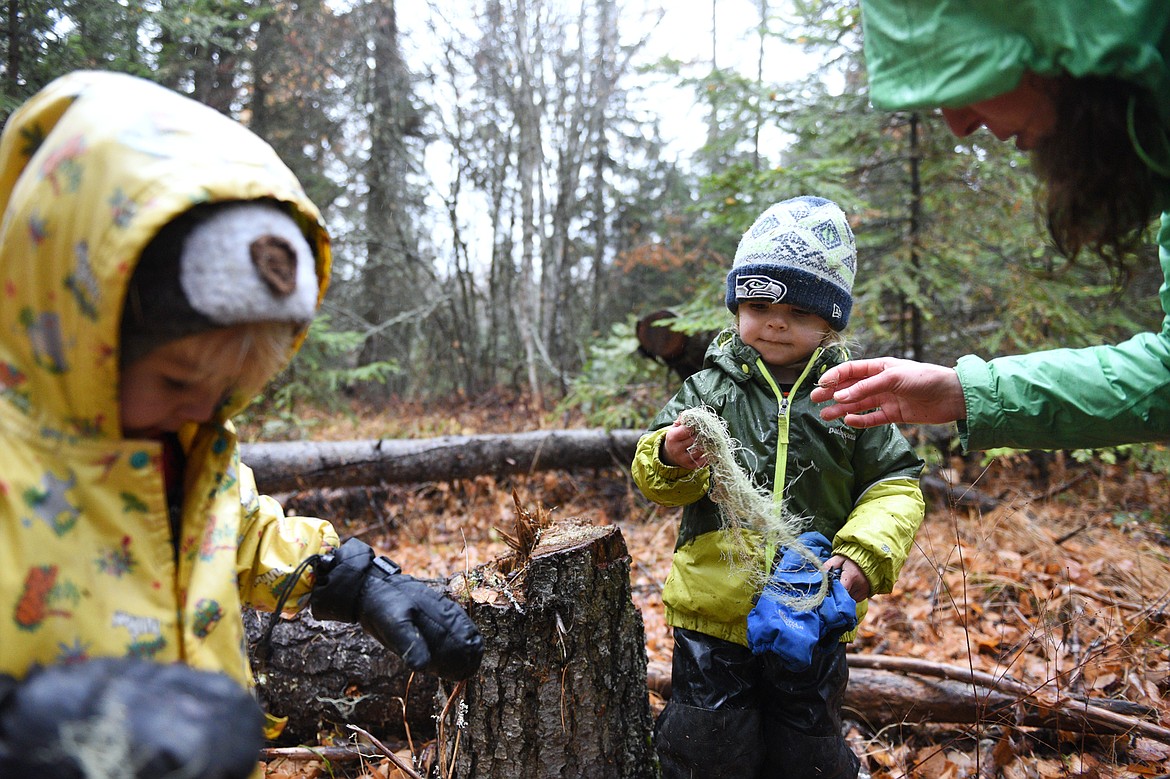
(734, 712)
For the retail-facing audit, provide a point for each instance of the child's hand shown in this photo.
(676, 448)
(852, 578)
(170, 720)
(426, 628)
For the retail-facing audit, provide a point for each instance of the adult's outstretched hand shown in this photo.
(867, 393)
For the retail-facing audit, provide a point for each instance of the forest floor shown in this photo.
(1063, 586)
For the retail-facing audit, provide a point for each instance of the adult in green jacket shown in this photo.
(1084, 85)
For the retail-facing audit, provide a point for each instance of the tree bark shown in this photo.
(562, 690)
(923, 691)
(324, 676)
(302, 465)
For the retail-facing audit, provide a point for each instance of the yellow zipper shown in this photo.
(782, 426)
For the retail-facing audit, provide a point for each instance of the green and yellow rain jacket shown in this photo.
(951, 53)
(859, 488)
(90, 169)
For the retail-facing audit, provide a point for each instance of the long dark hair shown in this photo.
(1098, 193)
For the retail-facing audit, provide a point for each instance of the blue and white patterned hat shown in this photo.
(800, 252)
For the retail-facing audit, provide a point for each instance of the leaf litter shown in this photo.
(1063, 586)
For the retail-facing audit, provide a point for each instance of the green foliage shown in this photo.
(988, 456)
(953, 264)
(326, 364)
(706, 312)
(1147, 457)
(320, 374)
(1152, 457)
(951, 257)
(618, 388)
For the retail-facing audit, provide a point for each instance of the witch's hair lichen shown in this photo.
(752, 518)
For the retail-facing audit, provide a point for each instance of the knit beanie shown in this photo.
(217, 266)
(800, 252)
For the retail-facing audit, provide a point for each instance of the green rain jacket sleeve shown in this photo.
(664, 484)
(880, 531)
(1073, 398)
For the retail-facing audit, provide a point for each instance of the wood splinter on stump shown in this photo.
(562, 689)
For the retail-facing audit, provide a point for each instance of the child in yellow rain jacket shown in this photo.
(158, 264)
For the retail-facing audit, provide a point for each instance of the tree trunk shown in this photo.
(324, 676)
(562, 690)
(301, 465)
(15, 45)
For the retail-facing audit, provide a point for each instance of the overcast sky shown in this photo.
(684, 33)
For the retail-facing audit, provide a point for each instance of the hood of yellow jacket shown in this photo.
(91, 168)
(952, 53)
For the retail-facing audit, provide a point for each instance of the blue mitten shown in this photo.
(775, 626)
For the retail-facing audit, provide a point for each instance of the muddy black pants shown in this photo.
(737, 715)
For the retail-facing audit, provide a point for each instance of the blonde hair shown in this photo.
(251, 353)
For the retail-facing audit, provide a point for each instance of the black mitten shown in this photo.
(427, 629)
(127, 717)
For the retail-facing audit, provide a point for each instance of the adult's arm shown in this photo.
(1069, 398)
(1074, 398)
(1056, 399)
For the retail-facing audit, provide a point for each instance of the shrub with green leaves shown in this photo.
(324, 368)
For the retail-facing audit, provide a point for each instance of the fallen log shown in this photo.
(327, 676)
(302, 465)
(885, 690)
(957, 494)
(321, 676)
(907, 689)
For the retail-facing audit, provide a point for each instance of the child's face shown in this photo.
(181, 381)
(784, 335)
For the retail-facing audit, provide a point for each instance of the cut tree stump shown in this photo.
(562, 690)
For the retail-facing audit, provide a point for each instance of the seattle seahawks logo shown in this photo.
(759, 288)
